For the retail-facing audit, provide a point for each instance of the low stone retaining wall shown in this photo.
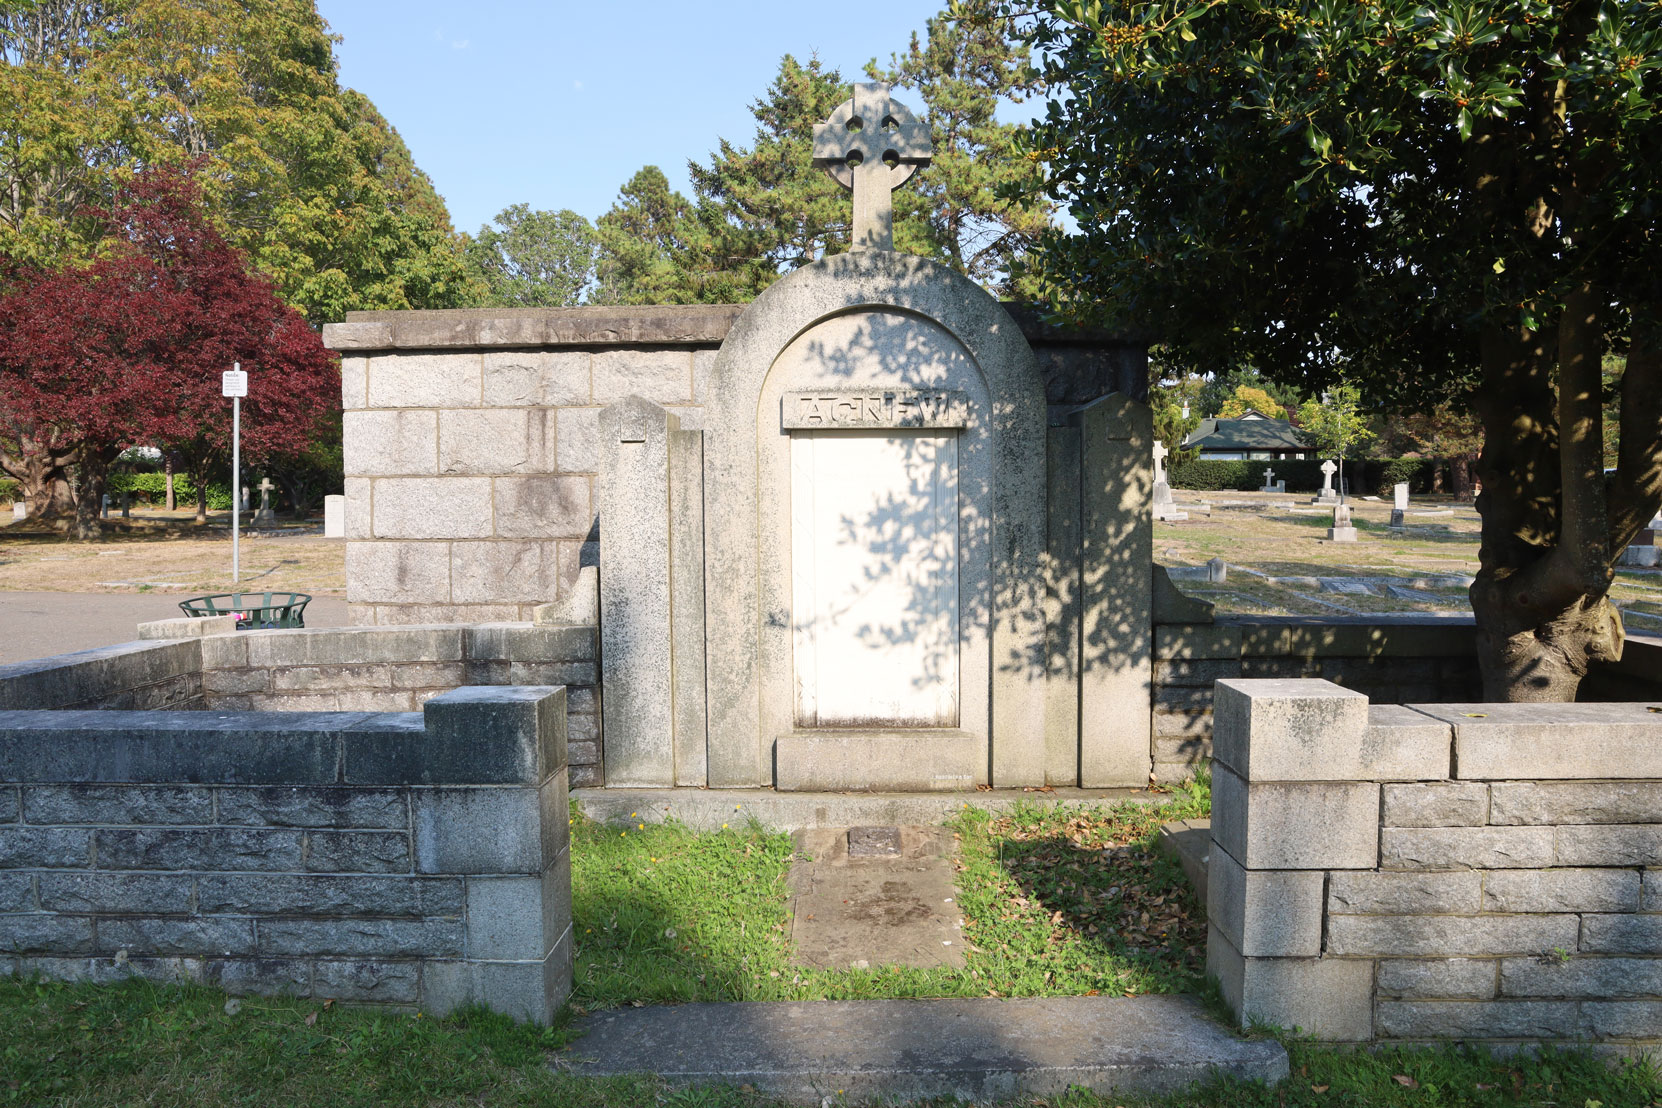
(1391, 662)
(360, 669)
(1483, 872)
(417, 859)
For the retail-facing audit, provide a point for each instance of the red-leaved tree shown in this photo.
(129, 350)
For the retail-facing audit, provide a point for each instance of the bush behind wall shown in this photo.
(1373, 476)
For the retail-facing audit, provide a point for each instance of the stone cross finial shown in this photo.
(265, 486)
(1160, 453)
(1269, 476)
(872, 144)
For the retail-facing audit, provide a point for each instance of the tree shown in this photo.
(1438, 199)
(534, 259)
(1246, 399)
(1335, 425)
(129, 350)
(646, 242)
(1221, 388)
(980, 204)
(305, 177)
(1449, 430)
(766, 210)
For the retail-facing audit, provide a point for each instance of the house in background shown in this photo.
(1252, 437)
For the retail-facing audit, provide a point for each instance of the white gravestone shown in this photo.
(1271, 484)
(20, 511)
(1164, 507)
(1399, 505)
(1342, 530)
(334, 517)
(1327, 495)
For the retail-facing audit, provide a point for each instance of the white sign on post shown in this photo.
(234, 383)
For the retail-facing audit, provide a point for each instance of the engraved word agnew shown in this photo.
(828, 410)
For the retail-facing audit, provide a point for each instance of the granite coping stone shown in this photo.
(979, 1049)
(601, 326)
(1510, 741)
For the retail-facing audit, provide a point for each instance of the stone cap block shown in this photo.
(1553, 741)
(1402, 744)
(522, 642)
(483, 734)
(243, 748)
(186, 627)
(73, 678)
(1289, 730)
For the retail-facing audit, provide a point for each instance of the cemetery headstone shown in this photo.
(1164, 507)
(104, 505)
(20, 511)
(1327, 495)
(1342, 530)
(126, 504)
(1644, 550)
(1399, 506)
(334, 516)
(1272, 485)
(1217, 571)
(265, 514)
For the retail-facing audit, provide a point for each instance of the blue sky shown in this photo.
(558, 104)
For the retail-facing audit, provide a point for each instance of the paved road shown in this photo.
(38, 624)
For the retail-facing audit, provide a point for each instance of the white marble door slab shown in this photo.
(874, 563)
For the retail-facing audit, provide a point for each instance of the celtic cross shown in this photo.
(872, 144)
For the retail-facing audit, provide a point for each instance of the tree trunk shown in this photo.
(89, 495)
(42, 475)
(168, 462)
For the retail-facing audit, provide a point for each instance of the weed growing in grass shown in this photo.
(1057, 901)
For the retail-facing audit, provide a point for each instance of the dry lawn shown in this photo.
(1265, 546)
(158, 551)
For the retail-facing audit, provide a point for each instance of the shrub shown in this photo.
(8, 489)
(151, 488)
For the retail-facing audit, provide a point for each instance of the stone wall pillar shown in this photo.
(1116, 612)
(651, 597)
(1287, 808)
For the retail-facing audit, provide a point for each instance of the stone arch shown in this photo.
(748, 547)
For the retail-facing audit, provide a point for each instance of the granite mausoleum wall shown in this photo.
(414, 859)
(1390, 662)
(472, 439)
(325, 670)
(1482, 872)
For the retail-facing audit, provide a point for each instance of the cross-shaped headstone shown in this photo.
(1269, 477)
(265, 486)
(1160, 453)
(872, 144)
(1328, 470)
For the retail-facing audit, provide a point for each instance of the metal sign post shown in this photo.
(234, 383)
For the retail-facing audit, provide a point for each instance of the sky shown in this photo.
(557, 104)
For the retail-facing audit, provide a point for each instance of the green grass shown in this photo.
(1057, 902)
(86, 1046)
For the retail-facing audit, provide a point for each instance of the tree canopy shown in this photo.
(129, 350)
(306, 178)
(1437, 200)
(534, 259)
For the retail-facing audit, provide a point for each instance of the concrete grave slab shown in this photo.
(875, 896)
(905, 1050)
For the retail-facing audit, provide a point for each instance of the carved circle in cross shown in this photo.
(890, 134)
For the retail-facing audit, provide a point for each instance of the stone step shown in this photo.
(708, 809)
(977, 1050)
(1190, 842)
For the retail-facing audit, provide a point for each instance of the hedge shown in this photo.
(152, 488)
(1375, 476)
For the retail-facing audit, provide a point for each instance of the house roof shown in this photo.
(1246, 434)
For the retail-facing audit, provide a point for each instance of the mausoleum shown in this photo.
(875, 530)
